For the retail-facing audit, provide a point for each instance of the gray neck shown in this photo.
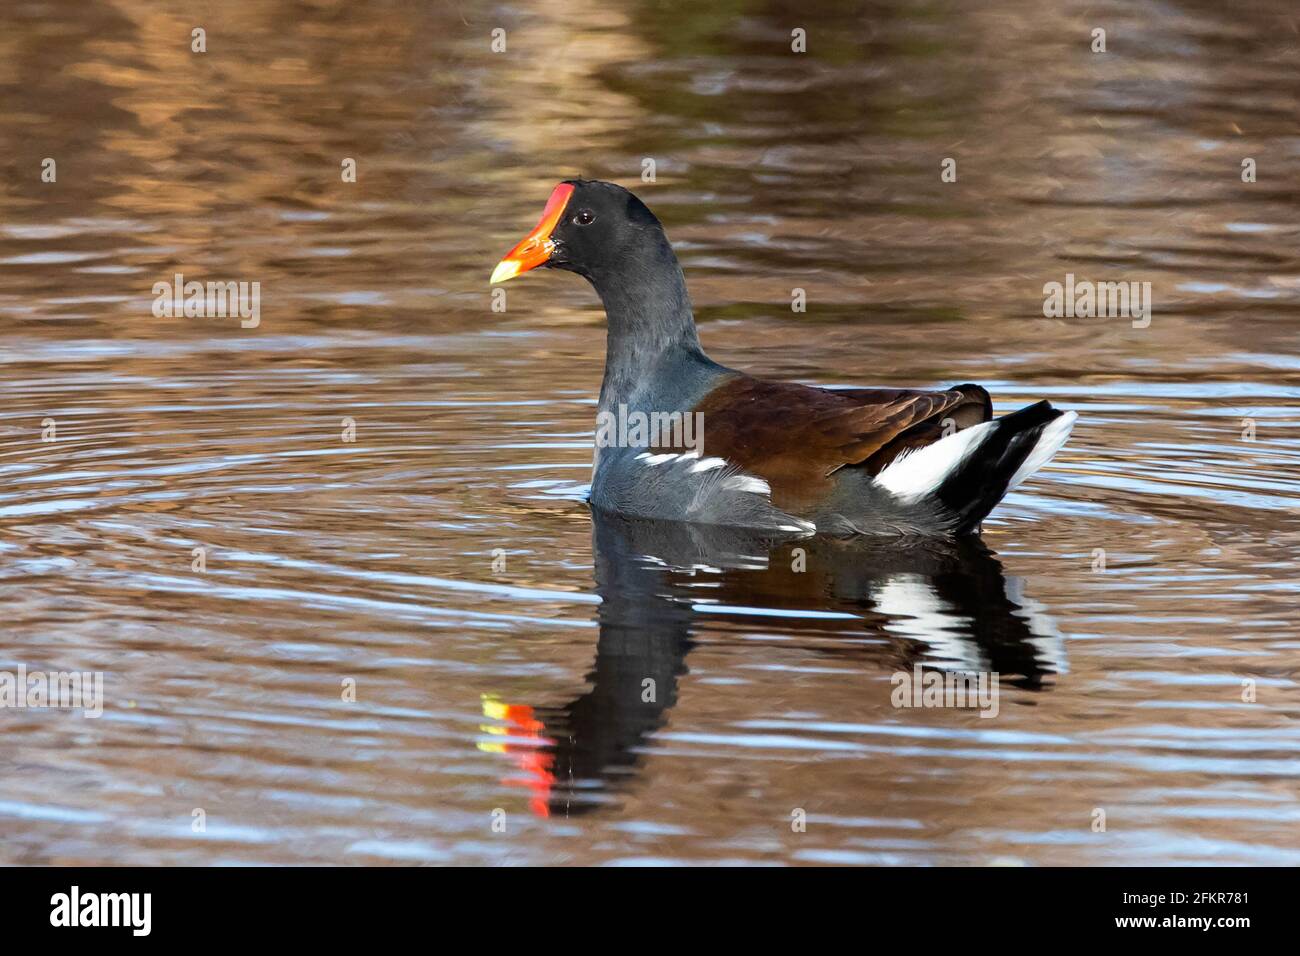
(651, 325)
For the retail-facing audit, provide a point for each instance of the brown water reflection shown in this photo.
(373, 560)
(857, 606)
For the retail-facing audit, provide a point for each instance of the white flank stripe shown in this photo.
(1049, 443)
(706, 464)
(918, 473)
(747, 483)
(650, 459)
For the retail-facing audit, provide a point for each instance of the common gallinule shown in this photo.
(683, 438)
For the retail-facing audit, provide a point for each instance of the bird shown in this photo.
(688, 439)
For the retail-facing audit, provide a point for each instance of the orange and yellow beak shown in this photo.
(537, 246)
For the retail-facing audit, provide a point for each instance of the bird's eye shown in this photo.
(584, 217)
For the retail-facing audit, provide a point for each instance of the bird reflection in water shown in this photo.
(938, 603)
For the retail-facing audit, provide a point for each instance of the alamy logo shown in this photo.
(1103, 300)
(103, 909)
(624, 429)
(932, 688)
(213, 300)
(67, 690)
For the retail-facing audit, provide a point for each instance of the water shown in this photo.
(374, 566)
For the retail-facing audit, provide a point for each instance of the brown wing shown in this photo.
(795, 437)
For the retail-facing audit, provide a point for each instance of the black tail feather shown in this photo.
(982, 479)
